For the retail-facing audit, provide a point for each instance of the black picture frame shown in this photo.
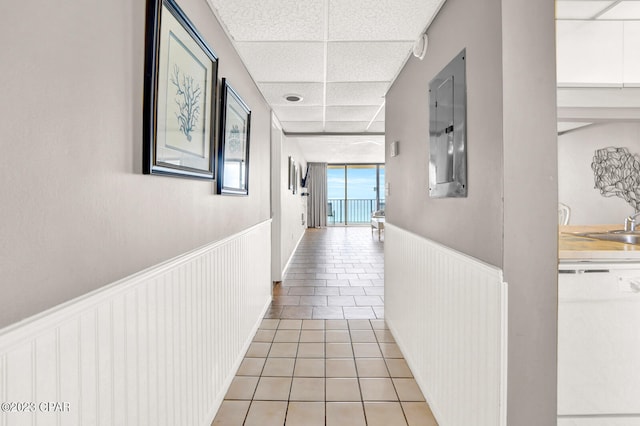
(290, 170)
(296, 169)
(180, 95)
(233, 149)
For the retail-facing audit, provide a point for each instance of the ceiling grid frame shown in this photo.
(612, 94)
(360, 46)
(326, 64)
(292, 30)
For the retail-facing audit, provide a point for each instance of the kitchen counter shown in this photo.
(575, 248)
(598, 322)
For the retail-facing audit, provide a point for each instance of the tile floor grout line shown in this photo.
(324, 346)
(324, 252)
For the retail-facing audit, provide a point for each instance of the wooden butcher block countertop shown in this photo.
(572, 247)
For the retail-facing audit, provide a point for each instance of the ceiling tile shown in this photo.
(594, 97)
(570, 125)
(343, 149)
(589, 52)
(377, 126)
(352, 113)
(631, 48)
(624, 10)
(366, 61)
(274, 93)
(250, 20)
(579, 9)
(399, 20)
(356, 93)
(341, 63)
(302, 127)
(281, 62)
(380, 115)
(346, 126)
(298, 113)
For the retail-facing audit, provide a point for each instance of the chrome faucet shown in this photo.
(630, 222)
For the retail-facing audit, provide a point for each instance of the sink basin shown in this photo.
(620, 236)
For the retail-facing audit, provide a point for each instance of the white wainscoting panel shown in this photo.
(157, 348)
(448, 313)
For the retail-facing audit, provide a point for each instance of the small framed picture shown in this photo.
(292, 166)
(233, 152)
(296, 170)
(180, 87)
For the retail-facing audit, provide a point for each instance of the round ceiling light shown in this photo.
(292, 97)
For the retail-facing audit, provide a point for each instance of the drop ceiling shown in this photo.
(338, 56)
(598, 63)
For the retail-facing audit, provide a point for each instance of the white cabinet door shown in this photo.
(599, 343)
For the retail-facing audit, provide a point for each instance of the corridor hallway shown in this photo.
(323, 354)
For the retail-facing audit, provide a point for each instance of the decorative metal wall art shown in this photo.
(617, 173)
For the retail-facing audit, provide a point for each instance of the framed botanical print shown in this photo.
(181, 74)
(233, 151)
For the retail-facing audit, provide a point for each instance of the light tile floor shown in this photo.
(323, 355)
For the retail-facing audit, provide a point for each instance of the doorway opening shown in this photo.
(354, 192)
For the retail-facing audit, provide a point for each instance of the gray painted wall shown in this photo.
(530, 208)
(575, 177)
(509, 218)
(293, 206)
(77, 213)
(474, 224)
(288, 208)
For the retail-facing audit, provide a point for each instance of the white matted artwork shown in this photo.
(182, 74)
(233, 155)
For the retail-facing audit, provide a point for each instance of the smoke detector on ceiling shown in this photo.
(420, 46)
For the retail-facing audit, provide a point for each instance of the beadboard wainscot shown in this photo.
(448, 314)
(157, 348)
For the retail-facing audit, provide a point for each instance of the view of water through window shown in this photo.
(354, 192)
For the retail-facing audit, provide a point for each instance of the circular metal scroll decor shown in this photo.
(617, 173)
